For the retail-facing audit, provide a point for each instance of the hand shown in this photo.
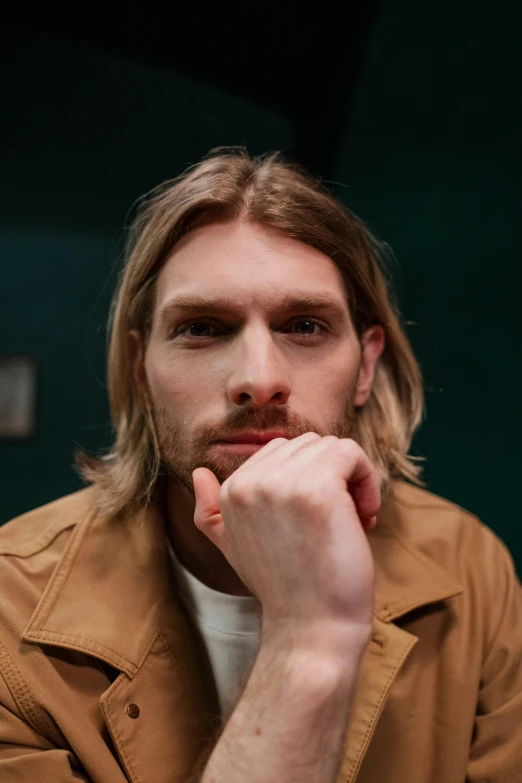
(291, 521)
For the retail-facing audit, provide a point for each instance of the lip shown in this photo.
(243, 449)
(255, 438)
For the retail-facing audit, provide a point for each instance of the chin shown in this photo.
(225, 465)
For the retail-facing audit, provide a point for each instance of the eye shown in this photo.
(308, 327)
(305, 328)
(198, 329)
(195, 329)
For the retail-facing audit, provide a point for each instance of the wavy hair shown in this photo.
(267, 191)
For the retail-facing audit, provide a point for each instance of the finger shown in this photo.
(363, 483)
(207, 515)
(285, 445)
(299, 445)
(356, 470)
(206, 490)
(268, 448)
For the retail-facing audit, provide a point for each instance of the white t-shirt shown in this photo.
(229, 626)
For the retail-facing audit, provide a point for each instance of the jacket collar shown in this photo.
(406, 577)
(108, 594)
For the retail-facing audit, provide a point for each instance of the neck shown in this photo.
(193, 549)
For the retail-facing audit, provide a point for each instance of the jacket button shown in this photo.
(133, 710)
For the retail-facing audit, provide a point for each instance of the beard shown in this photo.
(182, 451)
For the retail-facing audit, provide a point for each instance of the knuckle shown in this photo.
(305, 497)
(331, 439)
(274, 489)
(253, 489)
(350, 445)
(348, 441)
(309, 437)
(267, 489)
(236, 490)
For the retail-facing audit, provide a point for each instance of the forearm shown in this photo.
(291, 721)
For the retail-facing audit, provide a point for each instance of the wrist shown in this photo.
(309, 679)
(322, 647)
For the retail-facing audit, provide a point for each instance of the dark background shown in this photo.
(411, 111)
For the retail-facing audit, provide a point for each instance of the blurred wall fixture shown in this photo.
(18, 377)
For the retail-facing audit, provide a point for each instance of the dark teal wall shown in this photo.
(432, 160)
(87, 134)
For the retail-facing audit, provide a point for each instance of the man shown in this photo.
(253, 588)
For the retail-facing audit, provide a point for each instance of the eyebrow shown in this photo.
(221, 304)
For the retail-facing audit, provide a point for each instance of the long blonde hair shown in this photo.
(268, 192)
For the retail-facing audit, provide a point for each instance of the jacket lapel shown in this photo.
(384, 656)
(107, 595)
(113, 597)
(163, 719)
(405, 579)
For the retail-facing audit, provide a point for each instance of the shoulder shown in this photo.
(31, 547)
(447, 533)
(36, 530)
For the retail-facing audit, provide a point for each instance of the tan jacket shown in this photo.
(103, 679)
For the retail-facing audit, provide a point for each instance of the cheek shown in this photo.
(341, 386)
(162, 380)
(339, 373)
(179, 385)
(326, 391)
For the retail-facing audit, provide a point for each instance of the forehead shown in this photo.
(252, 263)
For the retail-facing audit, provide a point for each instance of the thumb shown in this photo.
(207, 516)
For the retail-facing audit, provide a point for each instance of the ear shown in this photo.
(137, 364)
(372, 344)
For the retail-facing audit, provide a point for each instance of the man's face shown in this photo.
(251, 333)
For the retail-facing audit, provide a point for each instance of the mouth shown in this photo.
(247, 443)
(255, 438)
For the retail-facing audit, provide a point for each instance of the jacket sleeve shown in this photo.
(496, 750)
(26, 756)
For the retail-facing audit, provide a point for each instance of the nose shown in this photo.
(259, 375)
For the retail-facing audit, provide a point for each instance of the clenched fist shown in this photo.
(292, 522)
